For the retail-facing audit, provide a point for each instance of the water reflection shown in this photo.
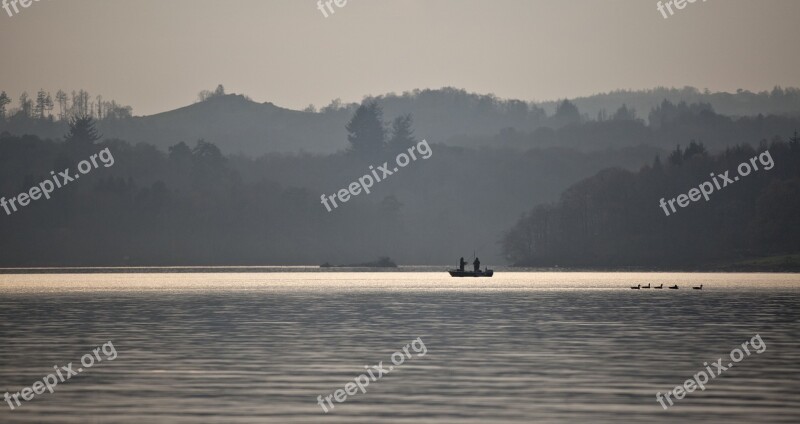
(521, 347)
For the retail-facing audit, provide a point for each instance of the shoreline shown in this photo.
(399, 269)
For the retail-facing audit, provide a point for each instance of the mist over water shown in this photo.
(521, 347)
(234, 211)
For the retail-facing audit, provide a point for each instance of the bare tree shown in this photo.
(25, 104)
(114, 111)
(49, 105)
(4, 101)
(206, 94)
(61, 98)
(99, 107)
(44, 104)
(80, 103)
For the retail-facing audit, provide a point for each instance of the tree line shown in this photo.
(62, 106)
(190, 204)
(613, 219)
(450, 116)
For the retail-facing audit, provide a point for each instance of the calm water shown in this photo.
(518, 348)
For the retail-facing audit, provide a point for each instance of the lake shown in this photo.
(260, 347)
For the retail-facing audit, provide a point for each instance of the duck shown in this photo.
(698, 288)
(675, 287)
(647, 286)
(638, 286)
(659, 287)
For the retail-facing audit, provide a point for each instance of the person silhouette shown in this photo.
(477, 264)
(461, 264)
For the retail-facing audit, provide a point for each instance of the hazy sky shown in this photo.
(156, 55)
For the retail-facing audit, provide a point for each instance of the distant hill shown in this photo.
(237, 125)
(778, 101)
(452, 116)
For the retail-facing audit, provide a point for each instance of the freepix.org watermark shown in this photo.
(63, 178)
(50, 382)
(679, 4)
(367, 181)
(373, 374)
(701, 378)
(705, 189)
(339, 3)
(9, 5)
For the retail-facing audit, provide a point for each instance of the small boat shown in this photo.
(647, 286)
(638, 287)
(698, 288)
(479, 273)
(659, 287)
(675, 287)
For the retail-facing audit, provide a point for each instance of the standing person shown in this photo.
(477, 264)
(461, 264)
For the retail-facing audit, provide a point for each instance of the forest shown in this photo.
(587, 189)
(613, 219)
(661, 118)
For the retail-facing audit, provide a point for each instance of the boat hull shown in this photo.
(457, 273)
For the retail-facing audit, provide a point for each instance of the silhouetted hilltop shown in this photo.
(778, 101)
(458, 118)
(238, 125)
